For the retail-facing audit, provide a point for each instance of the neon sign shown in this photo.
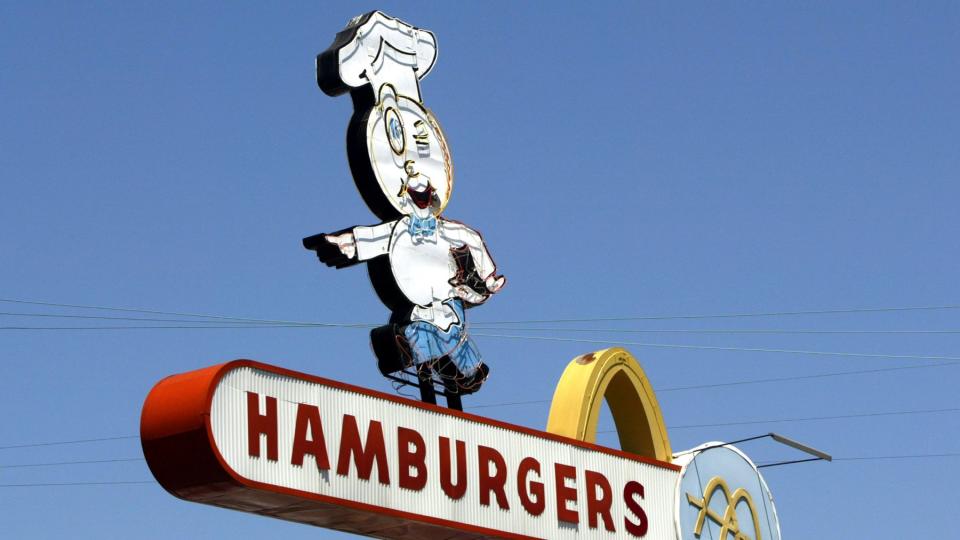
(427, 269)
(258, 438)
(262, 439)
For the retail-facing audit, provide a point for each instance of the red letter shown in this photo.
(261, 424)
(629, 491)
(564, 493)
(454, 491)
(415, 459)
(535, 506)
(485, 457)
(308, 418)
(364, 455)
(598, 505)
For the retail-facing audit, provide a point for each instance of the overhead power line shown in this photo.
(60, 463)
(734, 315)
(75, 441)
(521, 337)
(719, 348)
(809, 419)
(747, 382)
(64, 484)
(688, 426)
(173, 313)
(835, 459)
(524, 321)
(813, 376)
(875, 458)
(131, 319)
(715, 331)
(906, 456)
(210, 325)
(186, 327)
(218, 323)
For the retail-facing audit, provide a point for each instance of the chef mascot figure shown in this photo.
(427, 269)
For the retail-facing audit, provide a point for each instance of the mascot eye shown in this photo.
(422, 136)
(394, 127)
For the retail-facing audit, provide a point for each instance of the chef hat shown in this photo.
(376, 48)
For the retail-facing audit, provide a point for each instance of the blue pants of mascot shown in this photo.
(429, 343)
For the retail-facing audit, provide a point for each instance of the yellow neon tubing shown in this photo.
(612, 374)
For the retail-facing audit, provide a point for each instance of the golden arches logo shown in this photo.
(729, 523)
(611, 374)
(615, 376)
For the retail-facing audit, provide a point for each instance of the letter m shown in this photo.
(363, 454)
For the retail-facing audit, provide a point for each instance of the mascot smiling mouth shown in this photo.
(421, 198)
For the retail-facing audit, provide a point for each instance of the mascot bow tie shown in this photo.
(422, 229)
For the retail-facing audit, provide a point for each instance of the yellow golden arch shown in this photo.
(612, 374)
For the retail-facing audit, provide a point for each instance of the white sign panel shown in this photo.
(309, 438)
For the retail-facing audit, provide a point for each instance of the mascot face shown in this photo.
(408, 154)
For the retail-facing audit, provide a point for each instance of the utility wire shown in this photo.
(764, 464)
(172, 313)
(508, 336)
(527, 321)
(734, 315)
(746, 382)
(218, 325)
(59, 463)
(75, 441)
(715, 331)
(718, 348)
(185, 327)
(306, 324)
(866, 458)
(689, 426)
(808, 419)
(136, 319)
(835, 459)
(907, 456)
(60, 484)
(814, 376)
(537, 401)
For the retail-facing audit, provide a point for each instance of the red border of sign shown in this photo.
(180, 450)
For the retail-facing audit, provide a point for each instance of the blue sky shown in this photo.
(620, 159)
